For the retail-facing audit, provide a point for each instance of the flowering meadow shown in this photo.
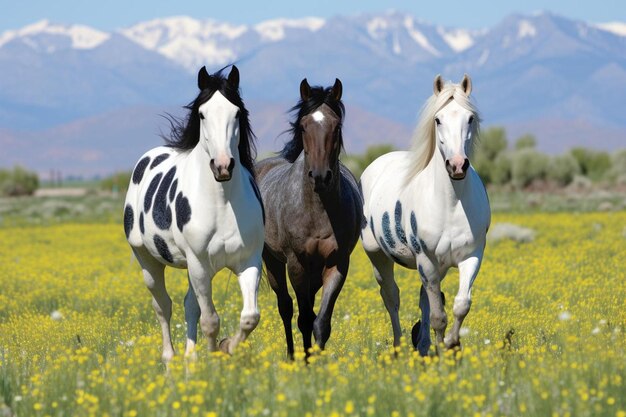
(545, 335)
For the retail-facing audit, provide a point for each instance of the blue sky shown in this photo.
(112, 14)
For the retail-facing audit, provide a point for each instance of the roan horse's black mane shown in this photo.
(318, 96)
(185, 134)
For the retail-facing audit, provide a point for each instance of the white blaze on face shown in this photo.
(318, 116)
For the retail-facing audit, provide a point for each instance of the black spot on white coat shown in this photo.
(161, 213)
(129, 218)
(147, 200)
(163, 249)
(173, 190)
(387, 231)
(140, 169)
(183, 211)
(159, 159)
(397, 214)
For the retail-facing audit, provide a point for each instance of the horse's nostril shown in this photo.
(231, 165)
(466, 165)
(328, 177)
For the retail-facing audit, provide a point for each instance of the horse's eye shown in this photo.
(437, 121)
(201, 116)
(471, 120)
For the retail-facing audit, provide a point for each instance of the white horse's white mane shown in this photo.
(423, 142)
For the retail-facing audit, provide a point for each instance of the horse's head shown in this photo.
(455, 124)
(219, 123)
(321, 136)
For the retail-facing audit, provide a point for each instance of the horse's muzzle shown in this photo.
(222, 172)
(321, 182)
(457, 167)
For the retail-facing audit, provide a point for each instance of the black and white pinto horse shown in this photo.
(194, 204)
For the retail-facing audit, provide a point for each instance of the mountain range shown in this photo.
(88, 102)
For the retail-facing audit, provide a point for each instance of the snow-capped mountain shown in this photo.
(79, 36)
(529, 71)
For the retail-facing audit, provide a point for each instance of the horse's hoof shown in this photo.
(450, 343)
(224, 345)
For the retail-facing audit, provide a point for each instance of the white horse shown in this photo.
(427, 209)
(194, 204)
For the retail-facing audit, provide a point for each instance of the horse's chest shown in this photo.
(455, 242)
(222, 232)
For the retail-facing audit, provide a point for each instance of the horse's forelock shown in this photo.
(318, 96)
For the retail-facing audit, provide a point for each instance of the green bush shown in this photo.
(617, 173)
(358, 163)
(118, 182)
(493, 143)
(528, 165)
(563, 168)
(18, 182)
(525, 142)
(593, 164)
(484, 166)
(501, 170)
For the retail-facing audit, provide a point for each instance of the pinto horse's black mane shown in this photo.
(318, 96)
(185, 133)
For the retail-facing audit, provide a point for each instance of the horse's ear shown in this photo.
(438, 84)
(305, 90)
(337, 90)
(233, 77)
(203, 78)
(466, 84)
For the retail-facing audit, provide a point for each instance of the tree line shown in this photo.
(498, 163)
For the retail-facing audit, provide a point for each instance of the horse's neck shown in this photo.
(445, 191)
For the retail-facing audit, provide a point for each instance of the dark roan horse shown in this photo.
(314, 213)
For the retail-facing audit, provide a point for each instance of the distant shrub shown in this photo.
(493, 143)
(581, 182)
(528, 165)
(18, 182)
(117, 182)
(353, 163)
(593, 164)
(484, 167)
(617, 173)
(501, 170)
(358, 163)
(525, 142)
(562, 169)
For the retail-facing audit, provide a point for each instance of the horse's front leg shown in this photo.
(468, 269)
(192, 316)
(154, 278)
(332, 282)
(431, 280)
(200, 278)
(249, 280)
